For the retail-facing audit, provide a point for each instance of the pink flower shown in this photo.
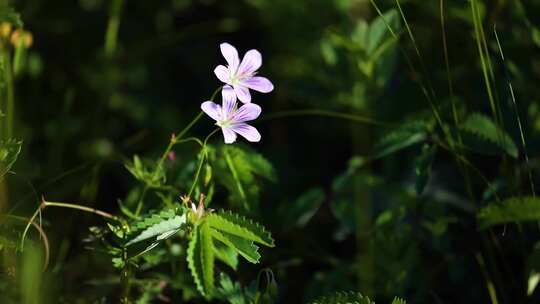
(241, 75)
(231, 119)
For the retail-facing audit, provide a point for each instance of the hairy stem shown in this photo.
(44, 204)
(175, 139)
(204, 155)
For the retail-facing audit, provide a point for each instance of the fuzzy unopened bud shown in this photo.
(5, 29)
(21, 36)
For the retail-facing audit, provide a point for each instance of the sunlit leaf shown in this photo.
(240, 226)
(479, 133)
(516, 209)
(200, 257)
(161, 230)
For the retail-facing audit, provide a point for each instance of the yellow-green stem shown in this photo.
(111, 36)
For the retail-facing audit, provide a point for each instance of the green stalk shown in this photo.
(175, 139)
(483, 60)
(203, 155)
(518, 119)
(9, 94)
(324, 113)
(489, 283)
(44, 204)
(111, 36)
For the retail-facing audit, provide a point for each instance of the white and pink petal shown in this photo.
(242, 92)
(229, 135)
(223, 73)
(247, 112)
(251, 62)
(229, 101)
(211, 109)
(231, 55)
(247, 131)
(258, 83)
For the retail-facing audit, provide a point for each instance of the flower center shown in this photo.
(224, 123)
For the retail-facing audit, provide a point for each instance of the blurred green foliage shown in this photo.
(399, 153)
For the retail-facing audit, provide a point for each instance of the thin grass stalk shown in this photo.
(516, 111)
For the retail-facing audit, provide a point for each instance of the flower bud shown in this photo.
(22, 36)
(5, 29)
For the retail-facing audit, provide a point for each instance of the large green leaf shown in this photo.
(153, 218)
(226, 221)
(226, 254)
(9, 151)
(200, 257)
(479, 133)
(244, 247)
(161, 230)
(207, 256)
(516, 209)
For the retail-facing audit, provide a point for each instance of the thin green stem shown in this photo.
(141, 199)
(518, 119)
(44, 204)
(425, 90)
(42, 234)
(203, 155)
(483, 58)
(175, 139)
(324, 113)
(111, 36)
(489, 283)
(9, 94)
(178, 138)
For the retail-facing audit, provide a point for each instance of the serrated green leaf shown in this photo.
(344, 298)
(161, 230)
(226, 254)
(516, 209)
(398, 301)
(194, 260)
(230, 291)
(200, 257)
(405, 136)
(240, 226)
(153, 218)
(481, 134)
(9, 151)
(207, 257)
(244, 247)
